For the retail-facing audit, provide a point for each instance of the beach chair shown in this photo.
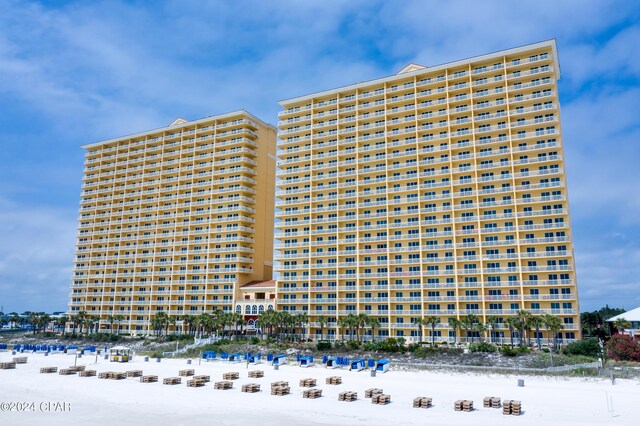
(251, 388)
(382, 366)
(280, 390)
(312, 393)
(307, 383)
(223, 385)
(356, 365)
(195, 383)
(422, 402)
(334, 380)
(369, 393)
(381, 399)
(347, 396)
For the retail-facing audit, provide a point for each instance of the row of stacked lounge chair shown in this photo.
(510, 407)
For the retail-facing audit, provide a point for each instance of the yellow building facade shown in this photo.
(175, 220)
(437, 192)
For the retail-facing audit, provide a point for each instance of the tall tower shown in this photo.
(439, 192)
(174, 220)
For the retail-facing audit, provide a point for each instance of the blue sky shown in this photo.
(79, 72)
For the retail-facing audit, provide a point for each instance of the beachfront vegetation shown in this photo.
(623, 348)
(587, 347)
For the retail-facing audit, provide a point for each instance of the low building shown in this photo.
(633, 317)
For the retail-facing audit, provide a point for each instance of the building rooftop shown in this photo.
(415, 69)
(181, 122)
(632, 315)
(258, 285)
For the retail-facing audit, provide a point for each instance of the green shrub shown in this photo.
(521, 350)
(323, 345)
(353, 344)
(508, 351)
(254, 340)
(114, 338)
(413, 347)
(482, 347)
(623, 348)
(587, 347)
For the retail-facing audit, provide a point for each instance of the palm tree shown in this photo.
(14, 319)
(361, 323)
(512, 324)
(158, 322)
(524, 317)
(33, 321)
(81, 317)
(118, 319)
(171, 321)
(418, 323)
(468, 323)
(89, 322)
(492, 321)
(373, 322)
(343, 323)
(621, 325)
(190, 322)
(455, 324)
(536, 322)
(480, 328)
(61, 322)
(433, 323)
(554, 325)
(323, 321)
(301, 319)
(204, 321)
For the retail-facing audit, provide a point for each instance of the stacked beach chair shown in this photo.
(231, 376)
(463, 405)
(256, 374)
(172, 381)
(280, 388)
(371, 392)
(251, 388)
(347, 396)
(312, 393)
(511, 407)
(7, 365)
(223, 385)
(87, 373)
(20, 360)
(46, 370)
(134, 373)
(491, 402)
(307, 383)
(422, 402)
(186, 373)
(77, 368)
(148, 379)
(334, 380)
(66, 372)
(381, 399)
(196, 382)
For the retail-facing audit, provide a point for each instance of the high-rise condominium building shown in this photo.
(175, 219)
(436, 193)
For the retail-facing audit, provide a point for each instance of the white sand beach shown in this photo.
(545, 400)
